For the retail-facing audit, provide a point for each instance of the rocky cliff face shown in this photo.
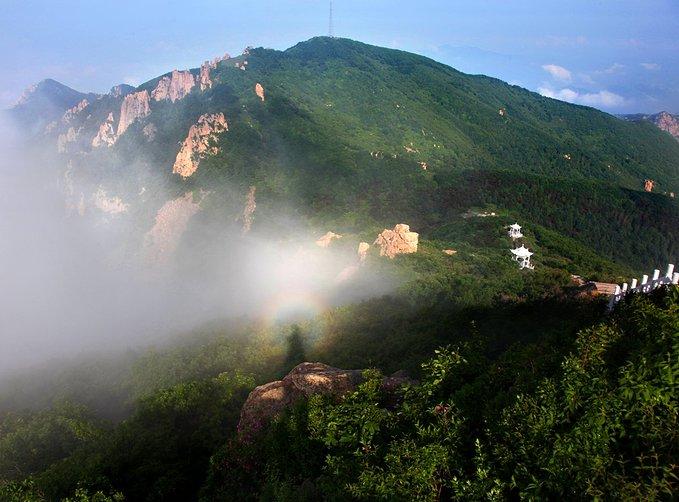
(199, 143)
(174, 87)
(204, 78)
(120, 90)
(662, 120)
(68, 137)
(249, 210)
(109, 205)
(400, 240)
(171, 222)
(135, 106)
(106, 134)
(268, 401)
(667, 122)
(259, 90)
(73, 111)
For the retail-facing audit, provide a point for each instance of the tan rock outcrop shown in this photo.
(106, 134)
(204, 77)
(171, 222)
(199, 143)
(72, 112)
(325, 241)
(259, 90)
(363, 249)
(400, 240)
(649, 185)
(268, 401)
(150, 131)
(450, 252)
(134, 107)
(174, 87)
(110, 205)
(249, 210)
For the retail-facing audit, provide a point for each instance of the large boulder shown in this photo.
(400, 240)
(306, 379)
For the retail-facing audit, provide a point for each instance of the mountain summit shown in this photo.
(359, 133)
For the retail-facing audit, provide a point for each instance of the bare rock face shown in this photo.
(363, 249)
(174, 87)
(64, 139)
(109, 205)
(199, 143)
(268, 401)
(450, 252)
(150, 131)
(400, 240)
(106, 134)
(325, 241)
(135, 106)
(667, 122)
(171, 222)
(649, 185)
(259, 90)
(249, 210)
(120, 90)
(72, 112)
(204, 78)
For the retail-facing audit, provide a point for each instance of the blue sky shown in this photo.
(618, 55)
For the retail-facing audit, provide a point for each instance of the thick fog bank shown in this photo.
(71, 284)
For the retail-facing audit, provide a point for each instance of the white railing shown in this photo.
(645, 286)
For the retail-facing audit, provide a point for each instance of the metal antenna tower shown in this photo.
(331, 29)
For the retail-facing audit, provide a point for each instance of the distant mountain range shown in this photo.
(358, 135)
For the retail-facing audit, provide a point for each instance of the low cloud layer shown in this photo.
(601, 99)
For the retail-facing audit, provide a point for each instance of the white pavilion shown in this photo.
(522, 256)
(515, 231)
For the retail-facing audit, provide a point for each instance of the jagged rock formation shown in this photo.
(668, 123)
(135, 106)
(449, 252)
(150, 131)
(363, 249)
(72, 112)
(110, 205)
(400, 240)
(259, 90)
(199, 143)
(204, 77)
(649, 185)
(106, 134)
(120, 90)
(249, 210)
(64, 139)
(305, 380)
(171, 222)
(325, 241)
(174, 87)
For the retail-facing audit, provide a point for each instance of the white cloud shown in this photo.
(557, 72)
(651, 66)
(603, 98)
(614, 68)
